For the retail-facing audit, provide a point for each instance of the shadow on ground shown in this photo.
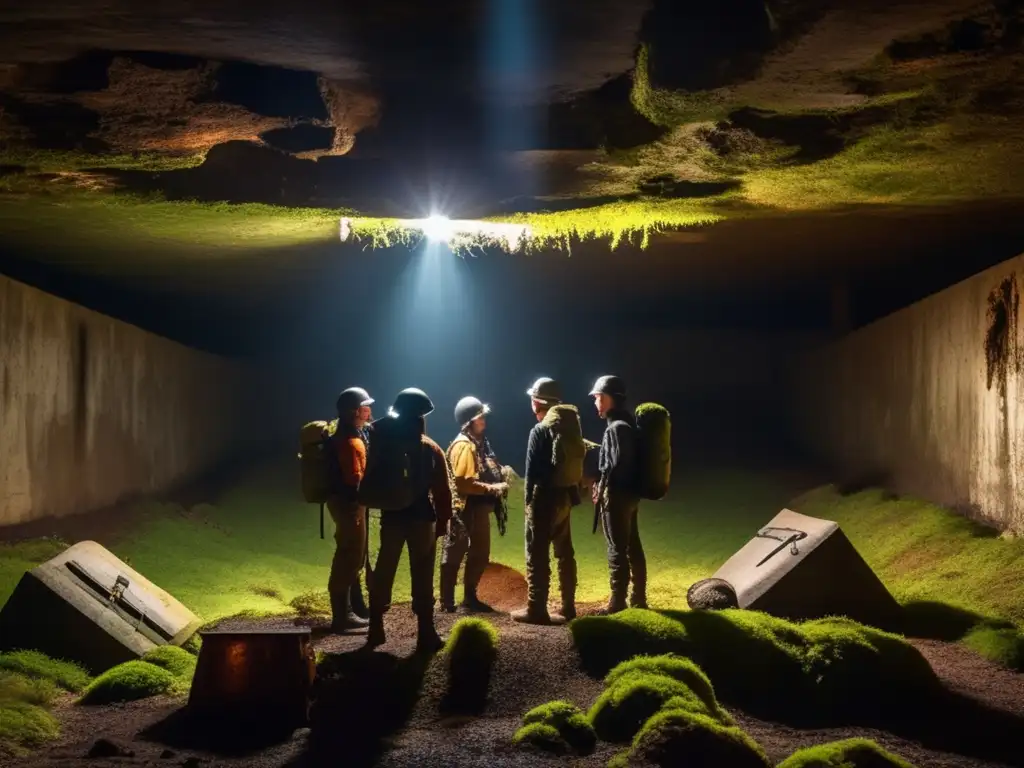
(222, 736)
(362, 698)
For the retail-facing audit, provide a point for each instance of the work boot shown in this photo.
(447, 589)
(568, 611)
(638, 599)
(616, 604)
(356, 601)
(473, 604)
(427, 639)
(534, 615)
(344, 619)
(376, 637)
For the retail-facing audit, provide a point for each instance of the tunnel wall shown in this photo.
(928, 401)
(93, 410)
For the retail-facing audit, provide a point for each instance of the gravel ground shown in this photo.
(386, 708)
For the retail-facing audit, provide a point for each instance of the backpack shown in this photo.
(654, 450)
(568, 451)
(318, 464)
(398, 469)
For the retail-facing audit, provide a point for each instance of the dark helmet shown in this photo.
(546, 390)
(609, 385)
(412, 403)
(352, 398)
(467, 409)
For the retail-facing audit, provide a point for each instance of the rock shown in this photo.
(108, 748)
(711, 595)
(167, 754)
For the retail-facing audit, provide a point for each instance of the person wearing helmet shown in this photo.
(350, 532)
(407, 479)
(549, 504)
(479, 485)
(616, 498)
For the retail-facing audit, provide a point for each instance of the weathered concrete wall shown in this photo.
(93, 410)
(929, 399)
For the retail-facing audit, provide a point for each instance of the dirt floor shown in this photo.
(388, 708)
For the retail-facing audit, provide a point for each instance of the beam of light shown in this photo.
(459, 234)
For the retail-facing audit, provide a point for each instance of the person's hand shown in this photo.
(499, 488)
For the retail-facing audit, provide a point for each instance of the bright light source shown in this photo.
(437, 228)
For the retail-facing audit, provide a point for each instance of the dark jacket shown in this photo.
(435, 502)
(539, 459)
(617, 458)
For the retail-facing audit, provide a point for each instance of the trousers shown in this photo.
(349, 549)
(626, 560)
(548, 526)
(470, 541)
(418, 537)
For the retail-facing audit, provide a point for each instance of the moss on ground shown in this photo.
(57, 161)
(569, 721)
(767, 665)
(175, 660)
(312, 604)
(675, 737)
(68, 675)
(470, 653)
(848, 753)
(18, 557)
(29, 684)
(132, 681)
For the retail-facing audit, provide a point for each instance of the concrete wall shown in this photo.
(929, 399)
(93, 410)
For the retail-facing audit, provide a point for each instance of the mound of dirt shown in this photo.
(502, 588)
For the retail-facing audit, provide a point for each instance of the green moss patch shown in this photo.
(569, 721)
(541, 736)
(676, 667)
(312, 604)
(470, 653)
(32, 690)
(66, 674)
(175, 660)
(1004, 646)
(24, 726)
(633, 698)
(131, 681)
(677, 737)
(764, 664)
(848, 753)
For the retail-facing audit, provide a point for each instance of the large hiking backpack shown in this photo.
(318, 465)
(569, 451)
(398, 470)
(654, 450)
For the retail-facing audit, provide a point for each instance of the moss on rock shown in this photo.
(764, 664)
(848, 753)
(541, 736)
(676, 737)
(570, 722)
(175, 660)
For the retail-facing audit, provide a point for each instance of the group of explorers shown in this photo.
(425, 493)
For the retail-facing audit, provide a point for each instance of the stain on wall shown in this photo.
(931, 397)
(96, 410)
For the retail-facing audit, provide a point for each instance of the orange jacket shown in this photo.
(352, 458)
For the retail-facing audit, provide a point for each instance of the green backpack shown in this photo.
(318, 464)
(654, 450)
(569, 450)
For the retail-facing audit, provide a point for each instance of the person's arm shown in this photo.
(440, 490)
(467, 479)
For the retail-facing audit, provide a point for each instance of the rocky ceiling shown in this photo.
(208, 129)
